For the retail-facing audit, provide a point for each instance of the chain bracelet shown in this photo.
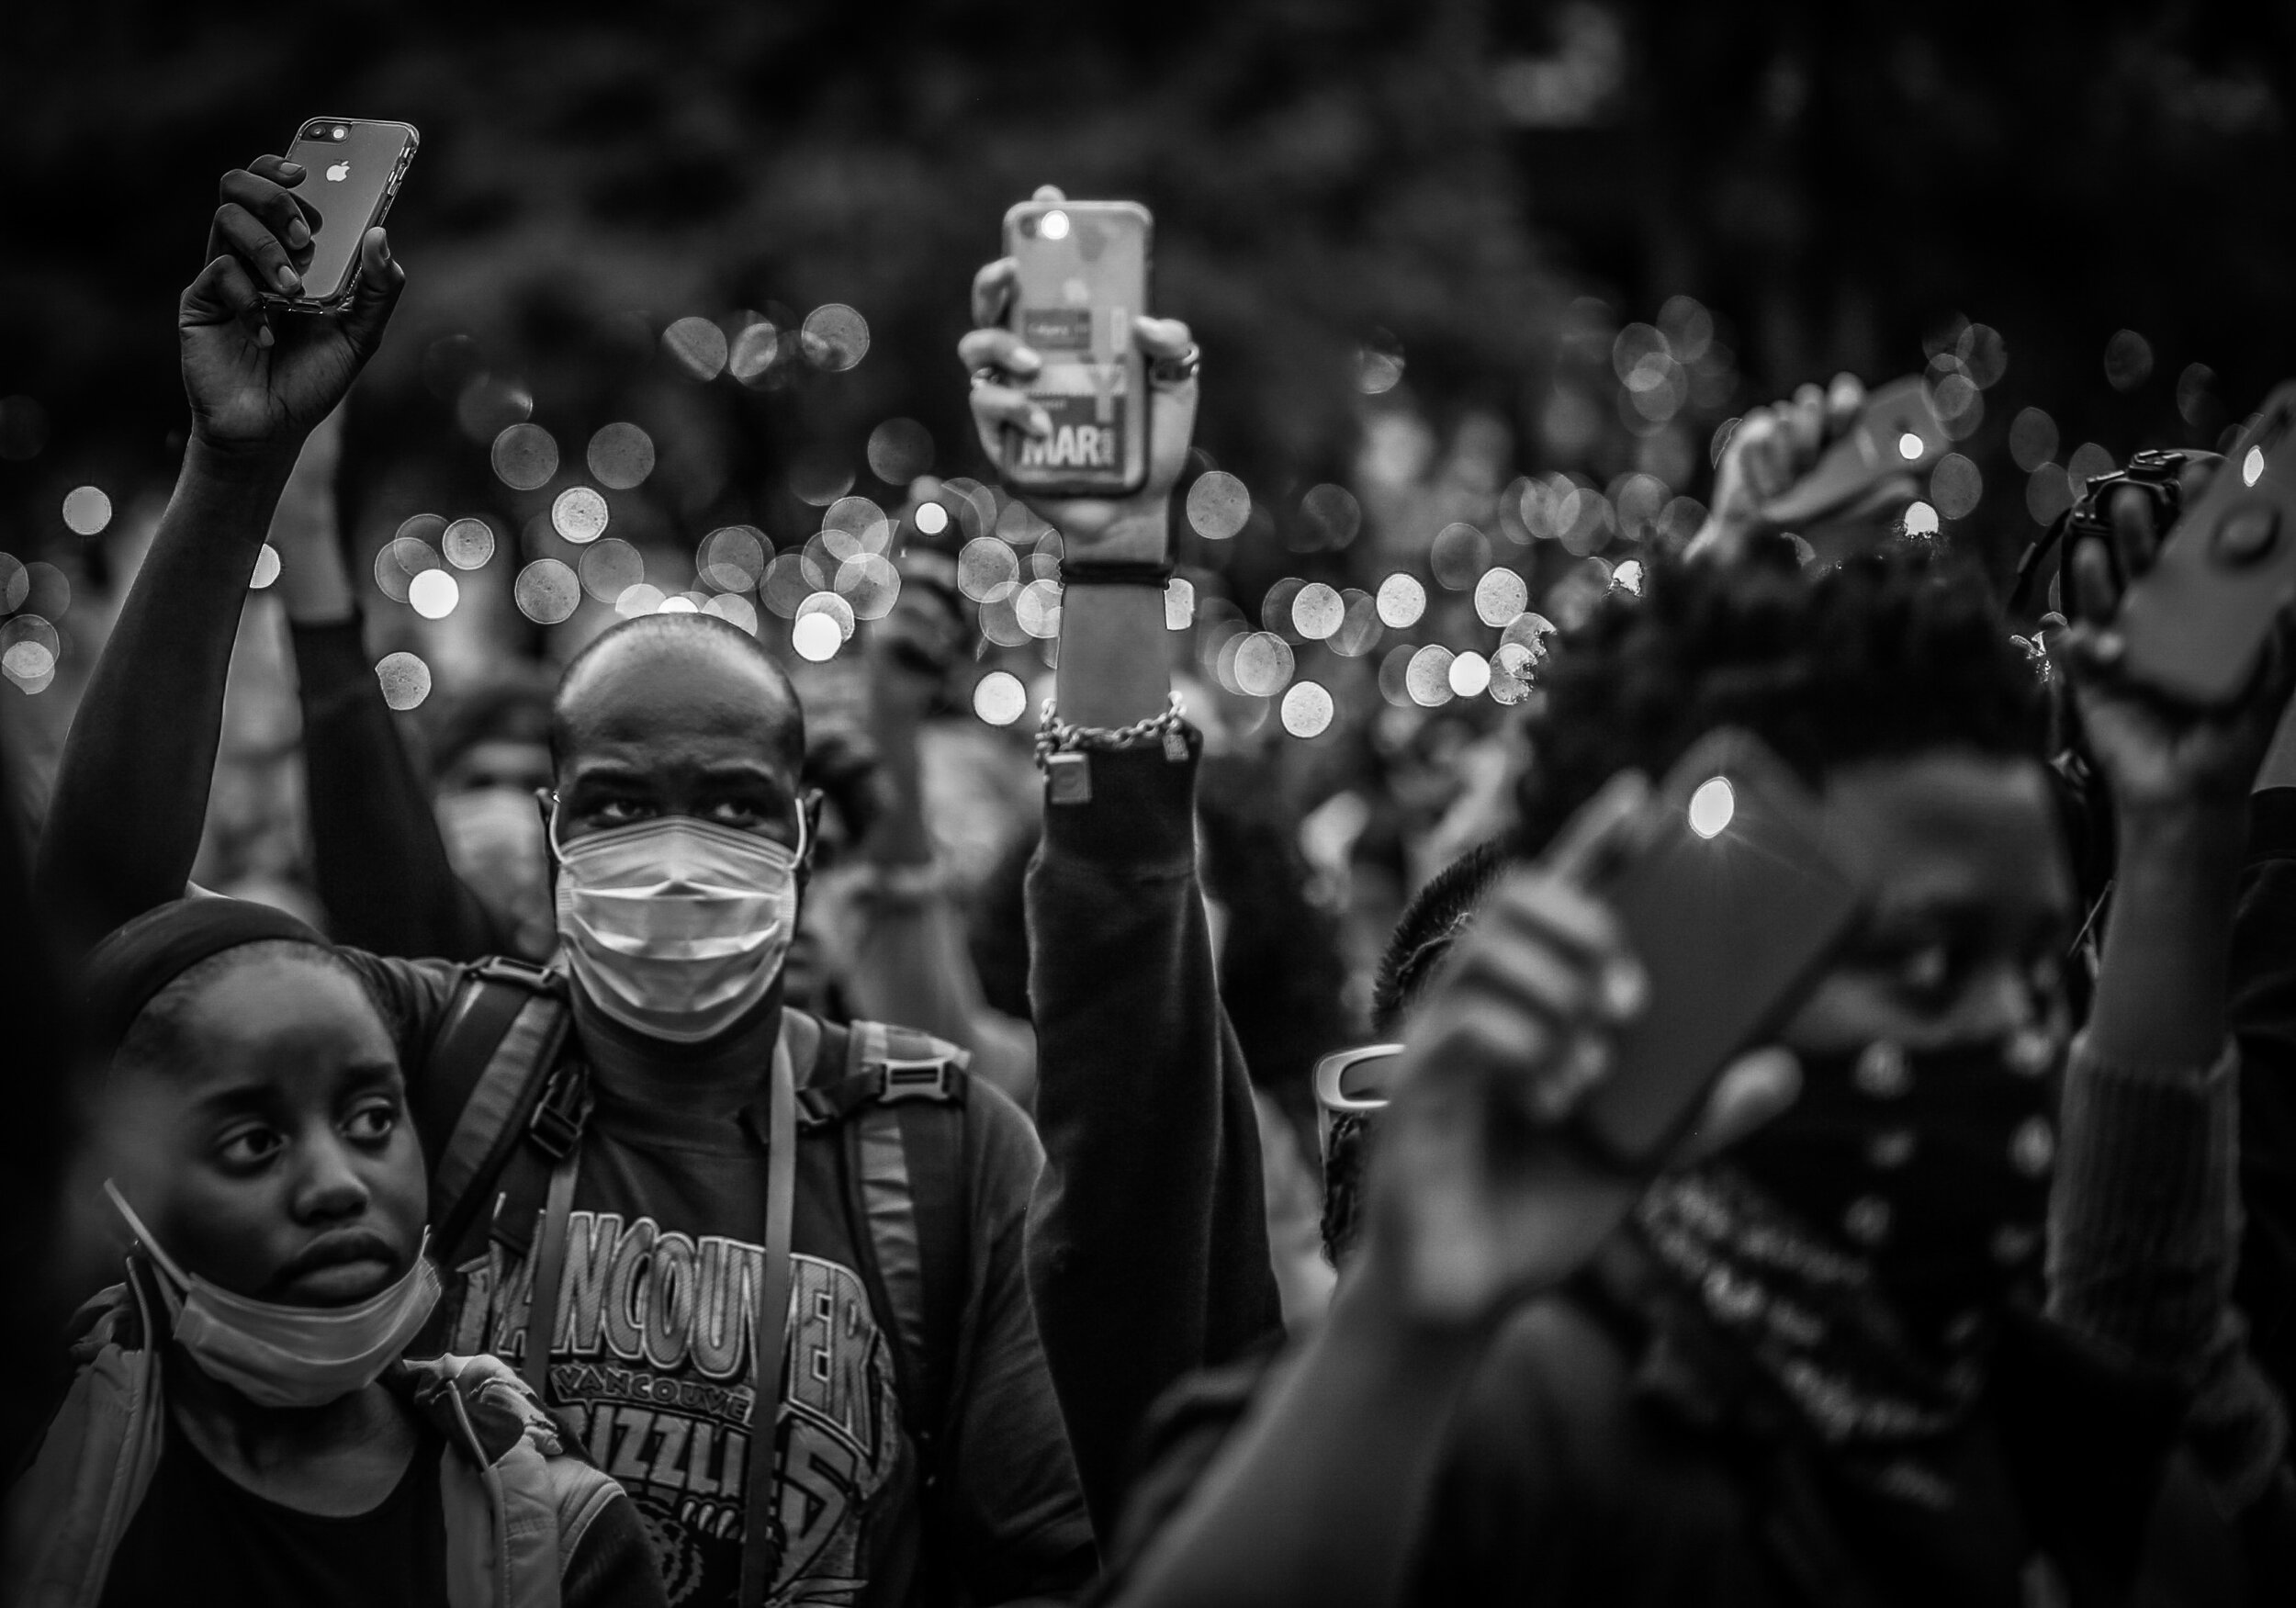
(1055, 737)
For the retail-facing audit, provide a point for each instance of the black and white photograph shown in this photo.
(1281, 804)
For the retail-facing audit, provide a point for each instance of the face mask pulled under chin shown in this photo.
(288, 1356)
(677, 928)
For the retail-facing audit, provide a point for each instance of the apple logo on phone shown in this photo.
(340, 171)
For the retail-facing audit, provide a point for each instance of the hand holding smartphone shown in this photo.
(1733, 897)
(1083, 277)
(1897, 432)
(2197, 622)
(352, 168)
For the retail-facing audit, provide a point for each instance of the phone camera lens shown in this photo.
(1055, 225)
(340, 131)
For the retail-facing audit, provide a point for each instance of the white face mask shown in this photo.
(288, 1356)
(675, 928)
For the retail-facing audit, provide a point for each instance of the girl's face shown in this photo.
(277, 1161)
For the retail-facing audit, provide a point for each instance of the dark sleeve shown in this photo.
(413, 995)
(1014, 1510)
(2263, 1010)
(1148, 1238)
(1184, 1435)
(612, 1566)
(377, 854)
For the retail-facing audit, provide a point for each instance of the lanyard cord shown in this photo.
(761, 1538)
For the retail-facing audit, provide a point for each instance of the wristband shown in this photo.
(1117, 572)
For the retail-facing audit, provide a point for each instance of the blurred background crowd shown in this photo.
(1481, 285)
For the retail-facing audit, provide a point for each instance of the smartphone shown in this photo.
(352, 169)
(2197, 622)
(1897, 432)
(1083, 278)
(1734, 897)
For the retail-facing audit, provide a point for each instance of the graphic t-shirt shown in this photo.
(199, 1536)
(650, 1355)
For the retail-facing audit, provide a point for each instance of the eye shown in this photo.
(1927, 970)
(250, 1147)
(621, 812)
(735, 813)
(372, 1122)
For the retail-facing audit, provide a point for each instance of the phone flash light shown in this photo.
(1054, 226)
(1712, 806)
(1908, 446)
(2252, 466)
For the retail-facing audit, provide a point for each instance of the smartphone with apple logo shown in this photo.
(352, 168)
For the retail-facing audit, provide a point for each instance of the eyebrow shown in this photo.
(615, 774)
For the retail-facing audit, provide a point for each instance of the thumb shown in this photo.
(1754, 1089)
(380, 281)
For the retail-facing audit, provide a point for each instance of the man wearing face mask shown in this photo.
(768, 1270)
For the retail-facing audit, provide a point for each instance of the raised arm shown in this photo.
(377, 854)
(2147, 1218)
(124, 823)
(1148, 1244)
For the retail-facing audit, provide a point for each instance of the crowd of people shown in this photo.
(637, 1177)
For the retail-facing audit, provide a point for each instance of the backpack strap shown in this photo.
(484, 1077)
(904, 1093)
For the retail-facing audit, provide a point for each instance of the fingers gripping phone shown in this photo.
(353, 167)
(1733, 897)
(2196, 622)
(1082, 279)
(1897, 432)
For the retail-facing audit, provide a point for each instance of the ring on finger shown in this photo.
(988, 373)
(1177, 369)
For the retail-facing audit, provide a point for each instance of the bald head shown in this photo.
(677, 715)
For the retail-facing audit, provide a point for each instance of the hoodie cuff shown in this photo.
(1141, 812)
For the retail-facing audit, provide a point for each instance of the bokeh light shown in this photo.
(2032, 439)
(1920, 520)
(1523, 643)
(731, 559)
(1330, 516)
(1036, 608)
(984, 564)
(467, 543)
(834, 337)
(756, 342)
(406, 681)
(621, 456)
(86, 509)
(610, 568)
(1627, 577)
(1955, 486)
(30, 649)
(1469, 674)
(815, 636)
(899, 451)
(2088, 461)
(1359, 629)
(548, 591)
(433, 593)
(1217, 505)
(1427, 678)
(1307, 709)
(2048, 493)
(525, 456)
(1499, 596)
(836, 609)
(639, 598)
(697, 346)
(47, 592)
(870, 583)
(786, 584)
(854, 525)
(678, 603)
(1263, 664)
(2128, 360)
(578, 513)
(733, 608)
(931, 518)
(14, 583)
(1317, 612)
(1459, 555)
(266, 569)
(1401, 600)
(407, 555)
(999, 699)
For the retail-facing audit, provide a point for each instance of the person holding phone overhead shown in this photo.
(818, 1372)
(1809, 1361)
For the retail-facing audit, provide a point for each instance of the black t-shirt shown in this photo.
(200, 1537)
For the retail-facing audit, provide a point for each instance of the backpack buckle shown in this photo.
(914, 1080)
(557, 1125)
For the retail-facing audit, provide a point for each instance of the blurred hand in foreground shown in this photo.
(1774, 448)
(1479, 1196)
